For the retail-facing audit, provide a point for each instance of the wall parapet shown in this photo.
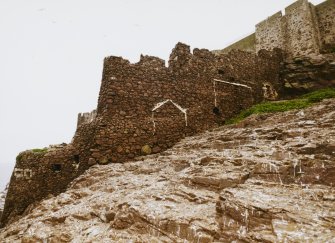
(271, 18)
(86, 117)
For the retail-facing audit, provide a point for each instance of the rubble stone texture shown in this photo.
(268, 179)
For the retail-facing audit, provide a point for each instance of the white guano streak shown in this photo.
(226, 82)
(160, 104)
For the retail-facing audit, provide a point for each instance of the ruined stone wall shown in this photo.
(36, 174)
(301, 35)
(305, 29)
(39, 173)
(325, 13)
(86, 117)
(145, 108)
(297, 33)
(270, 33)
(130, 93)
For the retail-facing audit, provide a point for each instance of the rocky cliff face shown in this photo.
(2, 199)
(308, 73)
(268, 179)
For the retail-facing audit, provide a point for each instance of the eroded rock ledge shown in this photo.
(268, 179)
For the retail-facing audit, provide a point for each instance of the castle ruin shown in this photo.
(147, 107)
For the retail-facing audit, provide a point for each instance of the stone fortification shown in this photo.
(304, 29)
(297, 32)
(86, 117)
(325, 13)
(146, 108)
(269, 32)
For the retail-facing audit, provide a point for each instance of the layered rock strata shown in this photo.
(308, 73)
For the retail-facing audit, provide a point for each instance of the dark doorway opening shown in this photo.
(76, 158)
(56, 167)
(221, 71)
(216, 111)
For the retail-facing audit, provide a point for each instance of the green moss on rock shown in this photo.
(38, 150)
(19, 157)
(286, 105)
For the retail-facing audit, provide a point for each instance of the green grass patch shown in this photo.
(38, 150)
(320, 95)
(286, 105)
(21, 156)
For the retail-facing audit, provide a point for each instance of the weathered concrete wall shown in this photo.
(145, 108)
(326, 22)
(270, 33)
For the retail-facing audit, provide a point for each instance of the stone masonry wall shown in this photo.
(270, 33)
(130, 93)
(305, 29)
(145, 108)
(326, 22)
(86, 117)
(301, 35)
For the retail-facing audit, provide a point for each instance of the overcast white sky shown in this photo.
(51, 55)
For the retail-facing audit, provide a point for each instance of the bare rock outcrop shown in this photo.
(308, 73)
(268, 179)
